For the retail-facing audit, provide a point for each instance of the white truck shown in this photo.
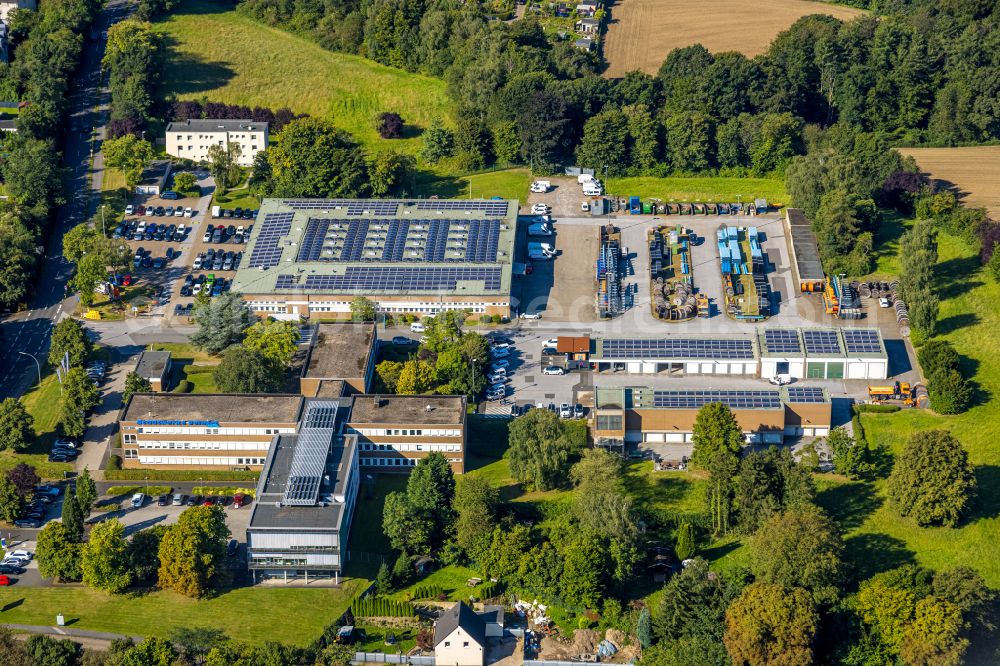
(540, 229)
(584, 178)
(541, 186)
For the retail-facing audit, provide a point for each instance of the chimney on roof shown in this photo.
(428, 408)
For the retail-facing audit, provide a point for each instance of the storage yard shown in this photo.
(643, 32)
(743, 266)
(672, 289)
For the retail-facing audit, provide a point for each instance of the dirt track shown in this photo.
(972, 171)
(643, 32)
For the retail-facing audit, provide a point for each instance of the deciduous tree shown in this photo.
(135, 383)
(274, 339)
(715, 431)
(104, 560)
(191, 550)
(799, 548)
(69, 336)
(363, 309)
(439, 142)
(58, 552)
(86, 492)
(224, 164)
(24, 477)
(221, 322)
(539, 451)
(17, 426)
(315, 159)
(248, 371)
(11, 500)
(79, 395)
(933, 480)
(415, 377)
(475, 506)
(130, 155)
(771, 625)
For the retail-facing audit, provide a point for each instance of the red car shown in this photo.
(238, 500)
(4, 580)
(126, 280)
(209, 501)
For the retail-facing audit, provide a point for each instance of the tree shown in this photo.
(24, 478)
(539, 450)
(152, 651)
(694, 603)
(130, 155)
(715, 431)
(415, 377)
(935, 635)
(185, 181)
(965, 588)
(90, 271)
(690, 141)
(79, 395)
(86, 492)
(391, 174)
(47, 651)
(643, 628)
(950, 392)
(421, 518)
(850, 458)
(685, 547)
(475, 505)
(221, 322)
(543, 126)
(135, 383)
(224, 164)
(248, 371)
(143, 554)
(363, 309)
(383, 581)
(104, 561)
(389, 125)
(933, 480)
(506, 142)
(771, 625)
(768, 482)
(315, 159)
(18, 250)
(72, 516)
(69, 336)
(600, 504)
(11, 501)
(78, 241)
(58, 553)
(585, 570)
(191, 550)
(604, 137)
(439, 142)
(274, 339)
(388, 373)
(17, 426)
(799, 548)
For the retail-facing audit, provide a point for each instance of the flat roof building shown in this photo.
(154, 178)
(204, 431)
(823, 353)
(191, 139)
(343, 352)
(804, 249)
(154, 367)
(395, 431)
(300, 522)
(641, 414)
(314, 256)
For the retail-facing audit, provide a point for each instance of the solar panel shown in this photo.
(809, 394)
(488, 208)
(821, 342)
(311, 246)
(393, 278)
(861, 341)
(782, 341)
(733, 399)
(320, 414)
(312, 446)
(266, 251)
(693, 348)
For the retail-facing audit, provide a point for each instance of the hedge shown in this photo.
(489, 589)
(114, 465)
(223, 490)
(375, 606)
(131, 490)
(876, 408)
(179, 475)
(427, 591)
(183, 386)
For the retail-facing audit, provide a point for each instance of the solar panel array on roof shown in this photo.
(487, 208)
(285, 282)
(312, 446)
(782, 341)
(805, 394)
(861, 341)
(695, 348)
(353, 206)
(392, 278)
(266, 252)
(733, 399)
(821, 342)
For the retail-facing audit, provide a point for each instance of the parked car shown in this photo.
(500, 352)
(178, 499)
(29, 523)
(11, 569)
(417, 327)
(194, 500)
(129, 209)
(163, 500)
(208, 234)
(170, 211)
(553, 370)
(239, 499)
(500, 363)
(549, 351)
(402, 340)
(4, 581)
(232, 547)
(578, 411)
(22, 554)
(179, 211)
(138, 500)
(189, 212)
(565, 411)
(535, 315)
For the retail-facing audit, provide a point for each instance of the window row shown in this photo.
(407, 432)
(188, 430)
(203, 446)
(201, 460)
(369, 446)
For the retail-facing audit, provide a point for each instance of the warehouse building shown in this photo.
(340, 361)
(767, 416)
(818, 353)
(301, 520)
(804, 249)
(191, 139)
(395, 431)
(313, 257)
(204, 431)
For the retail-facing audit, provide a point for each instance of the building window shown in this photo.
(465, 644)
(609, 422)
(447, 643)
(129, 439)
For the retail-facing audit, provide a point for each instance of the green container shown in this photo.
(647, 208)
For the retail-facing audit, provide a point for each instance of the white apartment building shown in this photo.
(191, 139)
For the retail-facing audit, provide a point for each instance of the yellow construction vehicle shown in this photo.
(898, 392)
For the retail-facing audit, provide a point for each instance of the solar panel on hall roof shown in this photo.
(488, 208)
(733, 399)
(266, 252)
(694, 348)
(392, 278)
(861, 341)
(821, 342)
(782, 341)
(805, 394)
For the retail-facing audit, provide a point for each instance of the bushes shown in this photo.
(375, 606)
(183, 386)
(427, 592)
(876, 409)
(949, 391)
(114, 464)
(178, 475)
(490, 589)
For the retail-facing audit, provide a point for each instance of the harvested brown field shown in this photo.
(642, 32)
(973, 171)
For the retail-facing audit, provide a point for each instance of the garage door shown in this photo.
(816, 370)
(857, 370)
(654, 436)
(834, 370)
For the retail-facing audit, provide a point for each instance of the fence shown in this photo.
(384, 658)
(539, 662)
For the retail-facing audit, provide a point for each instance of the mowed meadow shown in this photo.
(642, 32)
(215, 53)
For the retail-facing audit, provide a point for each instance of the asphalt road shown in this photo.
(29, 332)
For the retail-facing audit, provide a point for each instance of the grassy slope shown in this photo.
(700, 188)
(245, 613)
(217, 53)
(42, 402)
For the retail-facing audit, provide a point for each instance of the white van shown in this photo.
(417, 327)
(592, 190)
(541, 186)
(216, 211)
(547, 248)
(584, 178)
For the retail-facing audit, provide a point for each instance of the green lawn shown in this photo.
(248, 613)
(215, 53)
(191, 364)
(700, 188)
(368, 544)
(42, 402)
(887, 238)
(452, 579)
(238, 198)
(503, 183)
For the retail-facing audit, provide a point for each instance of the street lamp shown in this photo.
(104, 229)
(37, 365)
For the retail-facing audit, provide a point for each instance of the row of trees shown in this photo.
(203, 109)
(950, 392)
(132, 61)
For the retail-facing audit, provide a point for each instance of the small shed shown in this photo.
(588, 26)
(154, 178)
(154, 367)
(584, 43)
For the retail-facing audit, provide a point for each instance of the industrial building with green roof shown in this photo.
(314, 256)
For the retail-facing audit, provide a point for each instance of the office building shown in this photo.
(340, 361)
(191, 139)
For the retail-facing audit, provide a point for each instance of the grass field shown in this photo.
(238, 198)
(700, 189)
(42, 402)
(191, 364)
(246, 613)
(643, 32)
(972, 171)
(216, 53)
